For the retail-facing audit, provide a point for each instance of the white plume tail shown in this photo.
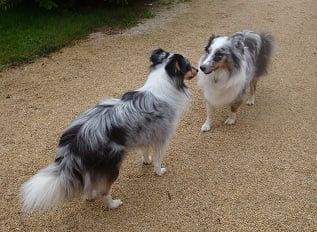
(45, 189)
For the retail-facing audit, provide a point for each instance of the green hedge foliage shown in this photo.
(54, 4)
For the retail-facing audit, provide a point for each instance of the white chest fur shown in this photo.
(220, 88)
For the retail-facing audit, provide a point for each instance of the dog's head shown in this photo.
(223, 53)
(177, 67)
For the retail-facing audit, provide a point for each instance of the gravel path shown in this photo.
(258, 175)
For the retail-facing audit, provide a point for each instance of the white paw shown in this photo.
(160, 171)
(230, 121)
(115, 204)
(250, 101)
(90, 196)
(205, 127)
(146, 160)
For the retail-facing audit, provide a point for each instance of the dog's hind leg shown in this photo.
(159, 152)
(110, 178)
(89, 192)
(208, 123)
(112, 204)
(251, 99)
(146, 158)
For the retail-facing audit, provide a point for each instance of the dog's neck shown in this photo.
(160, 85)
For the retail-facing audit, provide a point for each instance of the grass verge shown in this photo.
(26, 34)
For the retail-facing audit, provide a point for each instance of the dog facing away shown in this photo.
(229, 66)
(94, 145)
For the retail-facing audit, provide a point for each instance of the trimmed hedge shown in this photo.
(54, 4)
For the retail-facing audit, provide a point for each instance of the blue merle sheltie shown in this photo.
(94, 145)
(229, 66)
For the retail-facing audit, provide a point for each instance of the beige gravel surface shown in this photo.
(258, 175)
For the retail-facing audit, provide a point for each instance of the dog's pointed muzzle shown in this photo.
(190, 74)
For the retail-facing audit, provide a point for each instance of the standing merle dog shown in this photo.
(93, 147)
(229, 66)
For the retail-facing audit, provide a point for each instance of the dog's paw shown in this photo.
(114, 204)
(250, 101)
(146, 160)
(88, 199)
(90, 196)
(160, 171)
(230, 121)
(205, 127)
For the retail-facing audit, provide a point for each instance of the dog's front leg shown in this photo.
(208, 123)
(235, 105)
(158, 158)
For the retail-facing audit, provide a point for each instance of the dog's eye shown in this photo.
(218, 56)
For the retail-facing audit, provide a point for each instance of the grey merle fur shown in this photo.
(260, 48)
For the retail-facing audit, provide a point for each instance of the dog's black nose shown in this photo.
(202, 68)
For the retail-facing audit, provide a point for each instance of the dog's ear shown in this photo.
(176, 66)
(158, 55)
(176, 69)
(238, 44)
(212, 37)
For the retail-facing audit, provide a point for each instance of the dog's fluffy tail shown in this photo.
(265, 54)
(53, 184)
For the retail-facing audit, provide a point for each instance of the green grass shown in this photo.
(27, 34)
